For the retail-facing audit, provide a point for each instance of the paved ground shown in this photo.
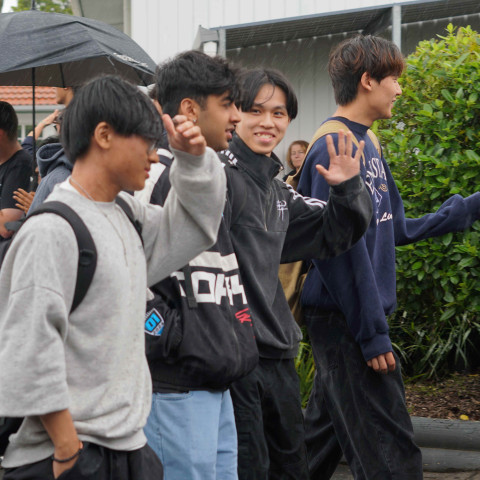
(343, 473)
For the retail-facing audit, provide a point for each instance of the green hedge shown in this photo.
(432, 145)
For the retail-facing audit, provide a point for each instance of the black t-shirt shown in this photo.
(14, 174)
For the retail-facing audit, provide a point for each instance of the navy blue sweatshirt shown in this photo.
(361, 283)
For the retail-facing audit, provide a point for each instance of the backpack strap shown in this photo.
(87, 253)
(128, 212)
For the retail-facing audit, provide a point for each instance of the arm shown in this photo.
(42, 124)
(61, 430)
(33, 373)
(189, 221)
(454, 215)
(8, 215)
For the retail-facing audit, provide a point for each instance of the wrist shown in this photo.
(63, 459)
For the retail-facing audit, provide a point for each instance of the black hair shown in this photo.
(251, 81)
(8, 120)
(350, 59)
(193, 74)
(114, 101)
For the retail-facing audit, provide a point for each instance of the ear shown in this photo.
(103, 135)
(190, 108)
(366, 81)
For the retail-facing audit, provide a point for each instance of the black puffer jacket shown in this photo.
(272, 224)
(199, 333)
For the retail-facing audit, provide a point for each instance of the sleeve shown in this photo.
(17, 177)
(163, 328)
(189, 221)
(36, 291)
(454, 215)
(349, 278)
(321, 229)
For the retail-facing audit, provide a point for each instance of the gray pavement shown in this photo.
(343, 473)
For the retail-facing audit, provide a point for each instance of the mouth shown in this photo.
(229, 133)
(264, 136)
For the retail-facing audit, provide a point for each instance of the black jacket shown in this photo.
(199, 333)
(272, 224)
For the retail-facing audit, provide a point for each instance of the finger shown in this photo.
(332, 152)
(322, 170)
(349, 147)
(390, 359)
(21, 190)
(374, 364)
(341, 143)
(168, 124)
(382, 364)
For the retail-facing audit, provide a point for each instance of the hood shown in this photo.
(51, 156)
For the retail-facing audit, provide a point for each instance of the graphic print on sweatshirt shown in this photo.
(376, 181)
(215, 278)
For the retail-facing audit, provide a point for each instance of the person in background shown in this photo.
(295, 157)
(15, 168)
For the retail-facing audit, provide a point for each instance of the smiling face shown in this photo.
(263, 127)
(383, 96)
(217, 120)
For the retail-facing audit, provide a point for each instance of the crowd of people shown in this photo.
(178, 362)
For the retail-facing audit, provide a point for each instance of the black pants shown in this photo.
(355, 410)
(97, 463)
(268, 415)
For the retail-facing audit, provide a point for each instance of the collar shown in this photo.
(261, 168)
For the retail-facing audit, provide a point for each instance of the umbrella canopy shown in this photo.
(65, 51)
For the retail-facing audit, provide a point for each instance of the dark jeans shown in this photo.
(354, 410)
(268, 415)
(97, 463)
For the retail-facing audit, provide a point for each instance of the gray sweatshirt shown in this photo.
(92, 362)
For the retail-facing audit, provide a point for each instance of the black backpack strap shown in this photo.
(128, 212)
(87, 253)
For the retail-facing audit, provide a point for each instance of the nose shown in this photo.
(234, 114)
(399, 90)
(152, 156)
(267, 120)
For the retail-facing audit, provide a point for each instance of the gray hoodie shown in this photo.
(54, 167)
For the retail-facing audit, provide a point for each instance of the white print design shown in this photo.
(375, 169)
(281, 207)
(385, 217)
(307, 200)
(215, 286)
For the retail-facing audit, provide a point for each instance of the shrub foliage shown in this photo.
(432, 145)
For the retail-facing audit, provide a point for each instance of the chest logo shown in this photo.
(281, 208)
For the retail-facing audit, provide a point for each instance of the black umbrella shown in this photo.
(58, 50)
(65, 50)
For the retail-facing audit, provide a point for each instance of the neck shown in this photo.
(91, 184)
(355, 112)
(7, 151)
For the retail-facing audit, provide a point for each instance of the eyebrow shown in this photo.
(282, 107)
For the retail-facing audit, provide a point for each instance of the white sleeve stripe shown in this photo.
(307, 200)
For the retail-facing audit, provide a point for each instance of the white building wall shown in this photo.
(166, 27)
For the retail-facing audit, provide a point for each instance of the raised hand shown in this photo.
(342, 165)
(184, 135)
